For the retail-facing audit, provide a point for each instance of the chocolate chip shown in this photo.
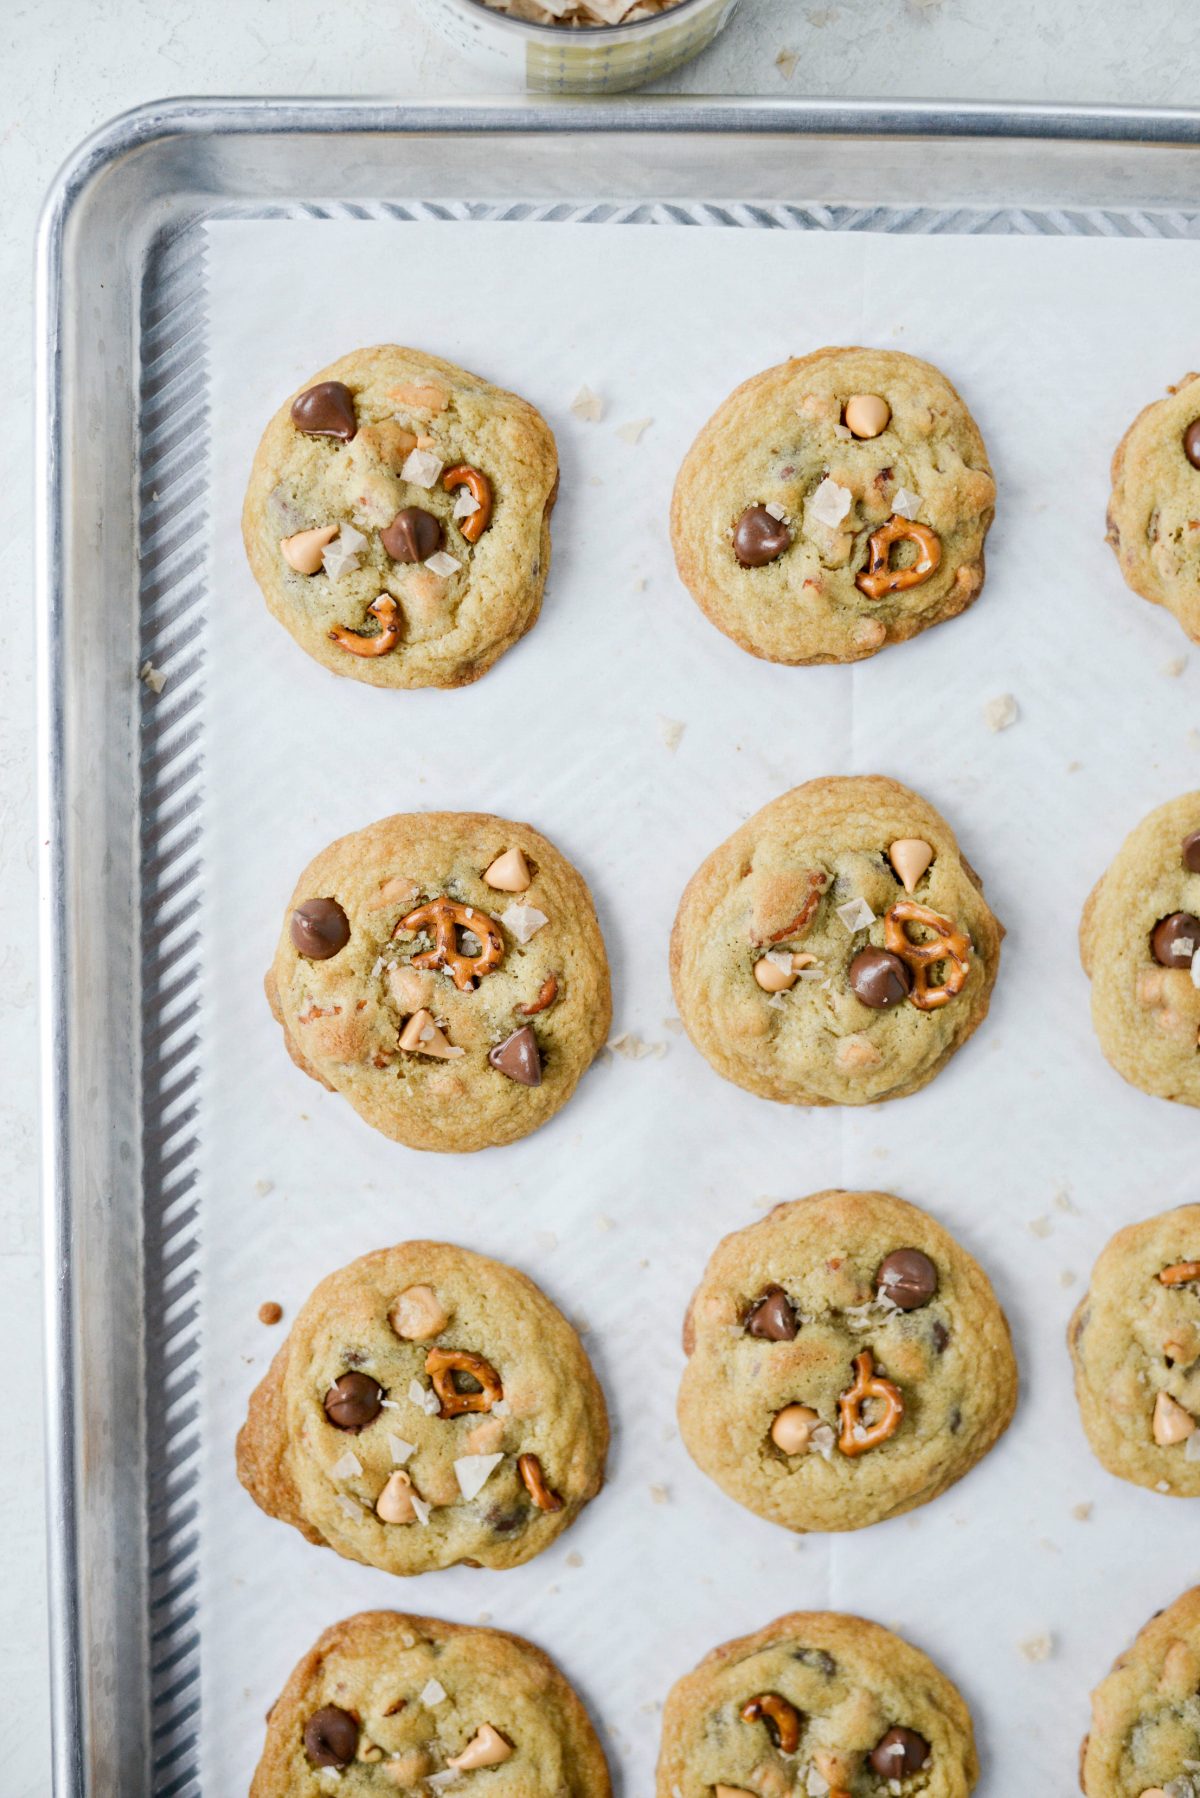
(326, 410)
(1191, 443)
(816, 1657)
(518, 1057)
(413, 535)
(319, 929)
(1175, 940)
(879, 978)
(353, 1401)
(899, 1753)
(504, 1522)
(772, 1317)
(1189, 849)
(941, 1336)
(908, 1278)
(758, 538)
(331, 1737)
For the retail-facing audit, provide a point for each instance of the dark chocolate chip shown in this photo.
(1189, 850)
(955, 1419)
(1191, 443)
(331, 1737)
(326, 410)
(319, 929)
(907, 1277)
(899, 1753)
(1175, 940)
(941, 1336)
(413, 535)
(879, 979)
(505, 1522)
(758, 538)
(353, 1401)
(772, 1317)
(518, 1057)
(816, 1657)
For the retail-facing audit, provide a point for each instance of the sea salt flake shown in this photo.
(671, 731)
(421, 468)
(442, 564)
(352, 541)
(523, 921)
(906, 502)
(153, 677)
(473, 1472)
(776, 511)
(1000, 712)
(349, 1505)
(856, 914)
(438, 1782)
(465, 505)
(433, 1692)
(815, 1784)
(821, 1441)
(402, 1451)
(588, 406)
(633, 1048)
(1037, 1648)
(336, 560)
(422, 1509)
(830, 503)
(635, 430)
(1191, 1448)
(501, 1408)
(348, 1468)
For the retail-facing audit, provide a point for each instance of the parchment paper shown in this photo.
(1027, 1146)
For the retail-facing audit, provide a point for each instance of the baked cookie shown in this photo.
(1139, 940)
(1154, 512)
(428, 1407)
(1145, 1736)
(847, 1361)
(816, 1702)
(385, 1704)
(1135, 1342)
(398, 518)
(832, 505)
(836, 949)
(448, 1022)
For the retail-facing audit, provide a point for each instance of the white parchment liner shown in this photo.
(1028, 1147)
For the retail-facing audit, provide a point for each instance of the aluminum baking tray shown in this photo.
(121, 578)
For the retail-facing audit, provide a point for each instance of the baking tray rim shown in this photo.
(195, 118)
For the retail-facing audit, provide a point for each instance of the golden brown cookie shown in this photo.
(398, 518)
(834, 504)
(386, 1703)
(1144, 1741)
(1139, 940)
(1135, 1343)
(1154, 512)
(847, 1361)
(445, 972)
(836, 949)
(816, 1703)
(429, 1407)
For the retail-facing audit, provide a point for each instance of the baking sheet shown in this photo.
(1026, 1146)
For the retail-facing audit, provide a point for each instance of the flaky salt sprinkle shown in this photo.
(337, 558)
(830, 503)
(422, 1509)
(906, 502)
(523, 921)
(474, 1471)
(1037, 1648)
(776, 511)
(433, 1692)
(152, 677)
(1000, 712)
(442, 564)
(421, 468)
(349, 1505)
(348, 1468)
(635, 430)
(671, 731)
(588, 406)
(465, 505)
(631, 1046)
(856, 914)
(402, 1451)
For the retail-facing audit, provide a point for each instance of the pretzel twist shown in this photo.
(442, 1364)
(385, 638)
(480, 489)
(947, 944)
(856, 1437)
(445, 918)
(534, 1481)
(879, 578)
(769, 1707)
(1182, 1274)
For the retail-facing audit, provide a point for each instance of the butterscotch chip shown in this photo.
(433, 1698)
(431, 1481)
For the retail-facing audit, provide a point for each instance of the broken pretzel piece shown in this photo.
(534, 1480)
(856, 1436)
(480, 489)
(385, 639)
(442, 1364)
(782, 1718)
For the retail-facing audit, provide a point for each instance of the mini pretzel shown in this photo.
(770, 1708)
(857, 1437)
(387, 637)
(547, 994)
(480, 489)
(446, 917)
(530, 1470)
(947, 944)
(879, 578)
(442, 1364)
(1182, 1274)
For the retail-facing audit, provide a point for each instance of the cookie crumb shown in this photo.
(1041, 1226)
(152, 677)
(1067, 1277)
(633, 1048)
(660, 1495)
(1175, 666)
(671, 731)
(1082, 1512)
(269, 1312)
(786, 62)
(588, 405)
(1037, 1648)
(1064, 1202)
(574, 1559)
(1000, 712)
(263, 1187)
(635, 430)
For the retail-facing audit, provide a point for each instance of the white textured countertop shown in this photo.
(69, 68)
